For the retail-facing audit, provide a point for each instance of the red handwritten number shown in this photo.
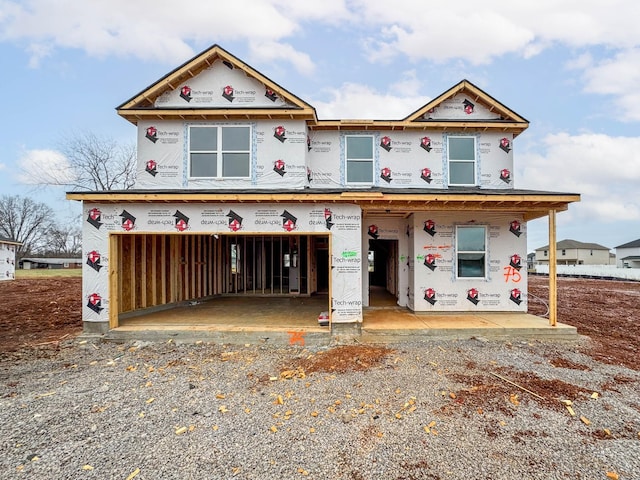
(511, 274)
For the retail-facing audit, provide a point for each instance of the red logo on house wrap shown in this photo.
(235, 225)
(95, 213)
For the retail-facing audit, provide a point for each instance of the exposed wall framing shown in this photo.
(150, 271)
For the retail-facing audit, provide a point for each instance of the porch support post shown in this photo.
(114, 281)
(553, 285)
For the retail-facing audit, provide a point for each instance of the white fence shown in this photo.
(605, 271)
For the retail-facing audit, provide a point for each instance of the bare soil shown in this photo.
(607, 311)
(40, 312)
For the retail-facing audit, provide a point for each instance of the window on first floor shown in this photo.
(219, 151)
(359, 159)
(471, 251)
(461, 155)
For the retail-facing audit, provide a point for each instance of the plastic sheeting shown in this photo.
(277, 157)
(460, 107)
(221, 86)
(409, 159)
(341, 222)
(7, 261)
(436, 286)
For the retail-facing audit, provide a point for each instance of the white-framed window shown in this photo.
(461, 153)
(219, 151)
(545, 253)
(471, 251)
(359, 159)
(564, 252)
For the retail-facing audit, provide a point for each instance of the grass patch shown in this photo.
(48, 273)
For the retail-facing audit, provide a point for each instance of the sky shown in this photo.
(570, 67)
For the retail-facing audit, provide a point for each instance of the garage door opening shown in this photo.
(159, 272)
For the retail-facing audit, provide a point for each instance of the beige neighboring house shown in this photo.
(573, 252)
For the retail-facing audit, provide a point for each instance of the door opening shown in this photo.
(382, 259)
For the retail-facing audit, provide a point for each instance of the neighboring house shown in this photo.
(628, 255)
(572, 252)
(51, 263)
(531, 261)
(8, 258)
(242, 190)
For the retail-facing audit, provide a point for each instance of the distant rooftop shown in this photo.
(567, 244)
(632, 244)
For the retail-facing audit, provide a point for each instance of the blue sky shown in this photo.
(572, 68)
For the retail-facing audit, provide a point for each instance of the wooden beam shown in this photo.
(114, 268)
(132, 272)
(553, 285)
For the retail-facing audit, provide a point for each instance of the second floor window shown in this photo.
(359, 158)
(219, 151)
(462, 161)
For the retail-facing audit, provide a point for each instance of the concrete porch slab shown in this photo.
(293, 321)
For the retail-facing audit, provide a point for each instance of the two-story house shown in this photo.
(628, 254)
(573, 252)
(242, 190)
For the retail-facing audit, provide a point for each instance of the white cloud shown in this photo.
(355, 101)
(436, 30)
(440, 30)
(151, 30)
(3, 166)
(605, 170)
(618, 76)
(37, 167)
(267, 51)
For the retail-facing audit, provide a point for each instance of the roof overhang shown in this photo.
(373, 203)
(473, 126)
(141, 114)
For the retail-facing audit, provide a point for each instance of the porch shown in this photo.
(294, 320)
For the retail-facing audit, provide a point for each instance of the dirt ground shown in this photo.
(40, 312)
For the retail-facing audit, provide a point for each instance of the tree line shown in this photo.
(35, 226)
(92, 163)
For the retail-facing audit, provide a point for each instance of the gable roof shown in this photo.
(568, 243)
(505, 120)
(506, 116)
(632, 244)
(142, 105)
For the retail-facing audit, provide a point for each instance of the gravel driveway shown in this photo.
(436, 410)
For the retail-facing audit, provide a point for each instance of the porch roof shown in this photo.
(531, 204)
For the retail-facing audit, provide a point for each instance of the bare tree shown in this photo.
(86, 161)
(64, 240)
(25, 221)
